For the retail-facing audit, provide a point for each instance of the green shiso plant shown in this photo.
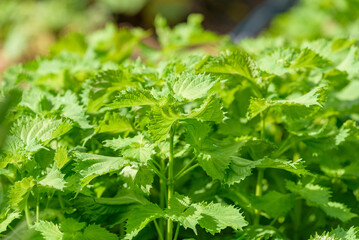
(109, 138)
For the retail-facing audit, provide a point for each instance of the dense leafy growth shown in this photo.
(116, 140)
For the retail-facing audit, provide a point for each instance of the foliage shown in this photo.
(330, 18)
(241, 143)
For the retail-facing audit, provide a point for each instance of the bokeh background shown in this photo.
(29, 27)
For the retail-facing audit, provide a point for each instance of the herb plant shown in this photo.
(201, 139)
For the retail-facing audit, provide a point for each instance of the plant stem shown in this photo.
(61, 202)
(157, 164)
(260, 173)
(185, 167)
(154, 168)
(27, 213)
(258, 193)
(284, 147)
(263, 132)
(160, 236)
(170, 189)
(273, 221)
(13, 230)
(259, 182)
(177, 231)
(178, 176)
(37, 206)
(297, 217)
(163, 195)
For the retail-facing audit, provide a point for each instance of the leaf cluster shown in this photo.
(244, 143)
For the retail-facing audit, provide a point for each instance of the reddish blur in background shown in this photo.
(29, 27)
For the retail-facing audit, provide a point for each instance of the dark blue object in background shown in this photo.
(260, 18)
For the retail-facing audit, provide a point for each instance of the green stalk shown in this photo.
(61, 202)
(27, 212)
(260, 172)
(177, 231)
(185, 167)
(284, 147)
(170, 189)
(160, 236)
(163, 186)
(37, 206)
(297, 218)
(178, 176)
(258, 193)
(154, 168)
(263, 132)
(163, 195)
(13, 230)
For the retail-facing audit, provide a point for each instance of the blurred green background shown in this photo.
(28, 27)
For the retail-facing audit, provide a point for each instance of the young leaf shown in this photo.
(338, 210)
(53, 179)
(103, 87)
(338, 234)
(49, 230)
(163, 118)
(213, 217)
(140, 217)
(7, 220)
(216, 217)
(277, 61)
(161, 122)
(70, 108)
(196, 132)
(239, 168)
(61, 157)
(210, 110)
(89, 166)
(95, 232)
(137, 148)
(33, 99)
(19, 191)
(292, 108)
(260, 232)
(113, 123)
(235, 62)
(275, 204)
(183, 35)
(189, 86)
(133, 97)
(320, 196)
(308, 59)
(183, 212)
(30, 134)
(296, 167)
(350, 63)
(215, 159)
(70, 225)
